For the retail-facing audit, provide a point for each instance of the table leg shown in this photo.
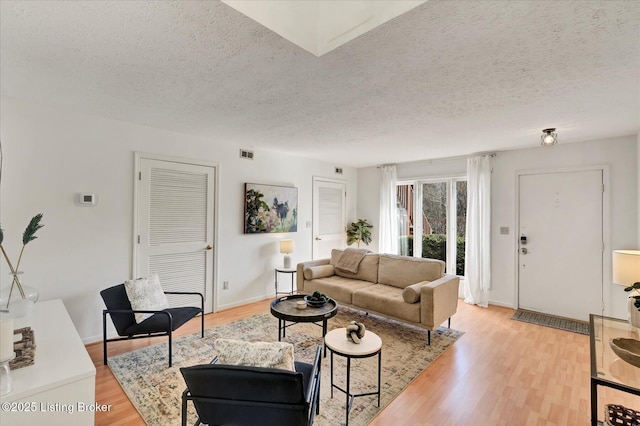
(324, 333)
(279, 330)
(379, 371)
(331, 372)
(292, 282)
(348, 390)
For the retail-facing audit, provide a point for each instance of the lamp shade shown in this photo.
(626, 267)
(287, 246)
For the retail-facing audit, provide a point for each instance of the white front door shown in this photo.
(175, 227)
(329, 217)
(561, 243)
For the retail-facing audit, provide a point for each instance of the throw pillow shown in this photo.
(411, 293)
(146, 294)
(313, 272)
(255, 354)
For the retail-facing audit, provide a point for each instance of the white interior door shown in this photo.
(329, 217)
(175, 224)
(561, 261)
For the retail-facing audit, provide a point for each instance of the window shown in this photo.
(432, 220)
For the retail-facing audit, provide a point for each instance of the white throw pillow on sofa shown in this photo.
(146, 294)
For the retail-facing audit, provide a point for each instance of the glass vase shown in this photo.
(12, 300)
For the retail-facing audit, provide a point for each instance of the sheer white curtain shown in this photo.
(388, 211)
(477, 271)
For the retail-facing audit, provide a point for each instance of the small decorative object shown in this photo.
(627, 349)
(301, 304)
(355, 331)
(25, 348)
(316, 300)
(270, 209)
(626, 272)
(286, 247)
(6, 384)
(358, 232)
(28, 235)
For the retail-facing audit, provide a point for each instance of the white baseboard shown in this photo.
(503, 304)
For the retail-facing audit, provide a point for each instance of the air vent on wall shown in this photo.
(338, 170)
(244, 153)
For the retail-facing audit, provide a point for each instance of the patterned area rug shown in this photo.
(551, 321)
(155, 390)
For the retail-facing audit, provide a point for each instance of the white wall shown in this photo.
(619, 153)
(50, 155)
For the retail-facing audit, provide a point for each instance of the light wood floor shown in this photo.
(500, 372)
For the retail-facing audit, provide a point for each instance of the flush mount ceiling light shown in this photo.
(549, 137)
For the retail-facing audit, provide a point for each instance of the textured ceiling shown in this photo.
(444, 79)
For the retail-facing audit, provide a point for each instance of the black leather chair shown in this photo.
(161, 323)
(239, 395)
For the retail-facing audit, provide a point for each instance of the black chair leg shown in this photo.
(429, 337)
(202, 328)
(449, 323)
(170, 350)
(104, 338)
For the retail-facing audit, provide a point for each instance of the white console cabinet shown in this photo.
(59, 388)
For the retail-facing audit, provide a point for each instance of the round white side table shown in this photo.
(370, 345)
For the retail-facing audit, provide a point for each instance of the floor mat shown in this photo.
(551, 321)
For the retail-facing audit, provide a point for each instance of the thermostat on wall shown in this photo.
(85, 199)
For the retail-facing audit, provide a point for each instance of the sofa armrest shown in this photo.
(439, 300)
(300, 271)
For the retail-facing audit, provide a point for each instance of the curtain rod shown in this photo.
(440, 160)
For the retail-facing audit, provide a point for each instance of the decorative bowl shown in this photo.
(301, 304)
(627, 349)
(314, 303)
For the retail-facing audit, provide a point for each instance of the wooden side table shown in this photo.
(283, 270)
(370, 345)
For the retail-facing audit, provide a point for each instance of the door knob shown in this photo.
(318, 239)
(209, 247)
(524, 250)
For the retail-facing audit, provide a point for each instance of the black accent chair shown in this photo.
(240, 395)
(161, 323)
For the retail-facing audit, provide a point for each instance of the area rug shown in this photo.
(551, 321)
(155, 389)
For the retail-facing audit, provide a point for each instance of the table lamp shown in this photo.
(626, 272)
(286, 247)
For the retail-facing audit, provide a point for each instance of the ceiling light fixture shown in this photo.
(549, 137)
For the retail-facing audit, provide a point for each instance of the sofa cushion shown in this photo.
(338, 288)
(411, 293)
(401, 271)
(367, 270)
(313, 272)
(386, 300)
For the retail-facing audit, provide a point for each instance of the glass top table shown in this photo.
(606, 368)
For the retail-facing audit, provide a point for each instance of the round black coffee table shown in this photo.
(284, 308)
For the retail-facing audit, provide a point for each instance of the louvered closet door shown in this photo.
(175, 224)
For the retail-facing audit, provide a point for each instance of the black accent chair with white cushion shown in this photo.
(161, 322)
(241, 395)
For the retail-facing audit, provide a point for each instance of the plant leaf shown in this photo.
(33, 226)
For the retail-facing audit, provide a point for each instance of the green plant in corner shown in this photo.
(28, 235)
(636, 288)
(358, 232)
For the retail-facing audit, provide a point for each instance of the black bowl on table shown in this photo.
(314, 303)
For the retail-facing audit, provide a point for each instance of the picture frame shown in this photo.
(270, 208)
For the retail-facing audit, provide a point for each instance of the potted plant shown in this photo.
(358, 232)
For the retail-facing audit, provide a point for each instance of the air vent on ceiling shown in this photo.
(338, 170)
(244, 153)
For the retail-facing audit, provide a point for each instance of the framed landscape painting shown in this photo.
(270, 208)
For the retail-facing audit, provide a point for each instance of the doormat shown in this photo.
(551, 321)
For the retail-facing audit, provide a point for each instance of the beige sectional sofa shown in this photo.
(409, 289)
